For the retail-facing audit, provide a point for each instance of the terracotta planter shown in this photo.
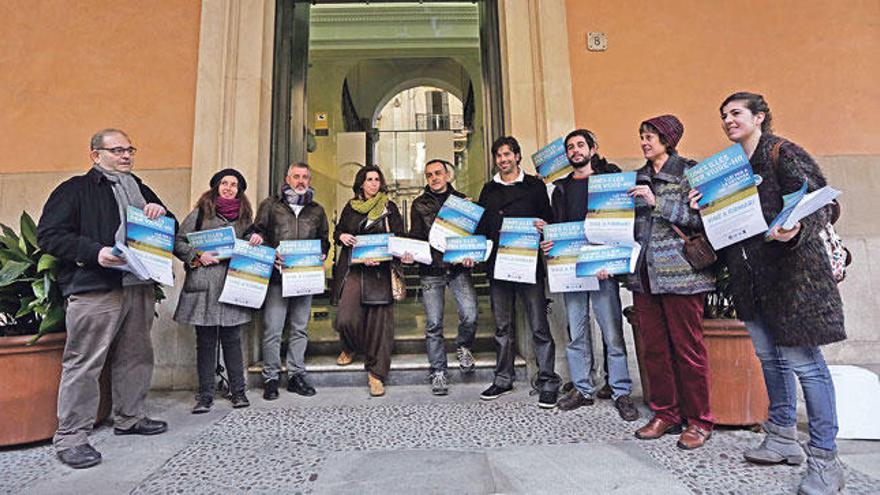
(736, 382)
(29, 388)
(737, 393)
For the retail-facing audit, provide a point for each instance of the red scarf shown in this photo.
(228, 208)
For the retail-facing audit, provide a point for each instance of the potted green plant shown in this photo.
(31, 336)
(737, 392)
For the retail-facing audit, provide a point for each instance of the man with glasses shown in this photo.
(109, 312)
(292, 215)
(436, 277)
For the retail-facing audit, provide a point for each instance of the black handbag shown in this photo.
(697, 250)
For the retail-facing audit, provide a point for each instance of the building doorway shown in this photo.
(392, 84)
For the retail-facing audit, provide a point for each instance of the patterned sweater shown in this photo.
(662, 256)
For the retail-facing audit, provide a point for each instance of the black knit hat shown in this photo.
(242, 184)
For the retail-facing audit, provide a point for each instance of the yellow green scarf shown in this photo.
(373, 207)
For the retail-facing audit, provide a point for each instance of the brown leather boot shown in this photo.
(377, 389)
(656, 428)
(344, 358)
(693, 437)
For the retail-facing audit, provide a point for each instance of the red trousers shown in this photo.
(674, 356)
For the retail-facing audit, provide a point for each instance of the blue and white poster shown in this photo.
(475, 247)
(302, 269)
(457, 217)
(616, 260)
(152, 242)
(247, 277)
(611, 210)
(568, 240)
(218, 242)
(551, 161)
(371, 248)
(517, 258)
(730, 207)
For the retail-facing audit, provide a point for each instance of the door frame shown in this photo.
(290, 73)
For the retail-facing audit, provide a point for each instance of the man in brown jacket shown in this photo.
(293, 215)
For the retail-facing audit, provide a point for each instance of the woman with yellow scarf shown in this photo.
(365, 316)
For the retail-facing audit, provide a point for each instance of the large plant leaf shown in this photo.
(27, 306)
(39, 289)
(53, 321)
(29, 232)
(47, 263)
(8, 232)
(11, 272)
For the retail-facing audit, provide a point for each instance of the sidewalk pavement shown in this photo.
(342, 441)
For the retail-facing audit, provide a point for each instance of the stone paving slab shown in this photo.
(317, 445)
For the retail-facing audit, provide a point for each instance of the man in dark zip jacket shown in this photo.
(109, 311)
(293, 215)
(437, 276)
(569, 203)
(510, 194)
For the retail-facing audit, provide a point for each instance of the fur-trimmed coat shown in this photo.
(788, 284)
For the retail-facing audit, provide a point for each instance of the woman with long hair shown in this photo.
(784, 291)
(365, 317)
(223, 205)
(668, 293)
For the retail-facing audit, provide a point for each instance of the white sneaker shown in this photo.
(465, 360)
(439, 384)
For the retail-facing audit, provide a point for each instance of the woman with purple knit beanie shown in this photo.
(668, 294)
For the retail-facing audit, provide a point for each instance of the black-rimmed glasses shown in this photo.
(119, 151)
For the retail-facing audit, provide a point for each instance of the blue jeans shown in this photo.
(295, 311)
(579, 351)
(433, 297)
(781, 365)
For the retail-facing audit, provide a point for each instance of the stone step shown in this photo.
(406, 369)
(403, 344)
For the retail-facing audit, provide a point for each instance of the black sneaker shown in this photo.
(203, 404)
(626, 408)
(573, 400)
(605, 392)
(270, 389)
(80, 457)
(494, 392)
(547, 399)
(300, 386)
(239, 400)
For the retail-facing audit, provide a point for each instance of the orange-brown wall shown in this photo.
(816, 62)
(70, 68)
